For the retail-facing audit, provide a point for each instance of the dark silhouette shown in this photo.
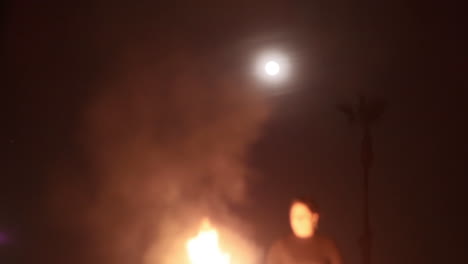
(365, 114)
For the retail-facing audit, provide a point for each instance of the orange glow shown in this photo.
(303, 221)
(204, 248)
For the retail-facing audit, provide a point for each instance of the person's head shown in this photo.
(303, 217)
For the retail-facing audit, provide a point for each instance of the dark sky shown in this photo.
(116, 110)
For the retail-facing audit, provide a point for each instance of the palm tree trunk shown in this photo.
(366, 159)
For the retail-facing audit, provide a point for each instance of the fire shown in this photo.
(204, 248)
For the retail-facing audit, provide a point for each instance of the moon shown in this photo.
(272, 68)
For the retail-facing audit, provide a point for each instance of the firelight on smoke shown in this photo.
(204, 248)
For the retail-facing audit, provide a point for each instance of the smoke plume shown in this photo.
(166, 142)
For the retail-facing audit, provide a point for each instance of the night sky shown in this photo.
(124, 123)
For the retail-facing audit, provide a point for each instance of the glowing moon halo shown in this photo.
(272, 68)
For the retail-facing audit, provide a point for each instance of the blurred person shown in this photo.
(304, 245)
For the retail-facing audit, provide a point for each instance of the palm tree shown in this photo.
(365, 113)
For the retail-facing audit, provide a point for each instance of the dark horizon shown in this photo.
(111, 106)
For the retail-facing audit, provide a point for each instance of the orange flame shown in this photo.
(204, 248)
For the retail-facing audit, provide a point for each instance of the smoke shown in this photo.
(166, 143)
(132, 146)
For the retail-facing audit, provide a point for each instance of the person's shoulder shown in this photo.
(280, 243)
(327, 241)
(330, 248)
(276, 249)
